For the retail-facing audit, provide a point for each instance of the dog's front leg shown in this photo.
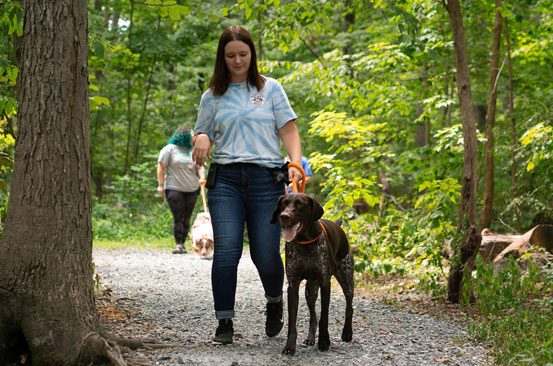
(324, 338)
(311, 293)
(293, 302)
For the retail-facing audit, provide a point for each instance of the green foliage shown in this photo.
(515, 312)
(364, 78)
(540, 137)
(133, 209)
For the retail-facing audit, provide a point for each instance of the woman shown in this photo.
(177, 177)
(245, 115)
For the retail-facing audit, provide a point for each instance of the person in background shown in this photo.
(245, 115)
(306, 168)
(179, 178)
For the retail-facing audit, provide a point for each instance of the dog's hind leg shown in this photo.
(324, 338)
(311, 294)
(344, 275)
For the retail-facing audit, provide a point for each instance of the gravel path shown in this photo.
(168, 298)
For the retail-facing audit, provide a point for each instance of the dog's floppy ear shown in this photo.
(317, 211)
(277, 210)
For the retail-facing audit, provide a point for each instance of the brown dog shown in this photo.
(316, 249)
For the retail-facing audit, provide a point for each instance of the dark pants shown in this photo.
(181, 205)
(244, 194)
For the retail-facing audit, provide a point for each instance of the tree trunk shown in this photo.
(514, 143)
(129, 98)
(146, 98)
(487, 206)
(465, 251)
(260, 17)
(46, 291)
(422, 137)
(446, 111)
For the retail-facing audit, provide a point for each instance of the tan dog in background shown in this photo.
(201, 235)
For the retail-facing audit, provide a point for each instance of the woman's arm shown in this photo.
(291, 140)
(160, 178)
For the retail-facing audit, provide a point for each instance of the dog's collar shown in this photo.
(316, 238)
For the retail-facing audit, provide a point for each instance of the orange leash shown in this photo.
(294, 184)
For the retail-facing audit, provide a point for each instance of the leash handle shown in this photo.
(202, 189)
(294, 184)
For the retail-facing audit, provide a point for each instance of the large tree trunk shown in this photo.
(46, 291)
(487, 206)
(465, 251)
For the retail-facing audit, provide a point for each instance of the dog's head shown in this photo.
(296, 212)
(203, 247)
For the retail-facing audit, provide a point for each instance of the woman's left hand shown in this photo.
(295, 174)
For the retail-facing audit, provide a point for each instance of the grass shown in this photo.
(165, 243)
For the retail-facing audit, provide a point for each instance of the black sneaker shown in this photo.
(223, 334)
(179, 250)
(274, 321)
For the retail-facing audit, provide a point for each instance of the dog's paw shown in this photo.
(309, 342)
(347, 332)
(323, 344)
(347, 335)
(288, 350)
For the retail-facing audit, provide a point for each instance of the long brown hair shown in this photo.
(221, 75)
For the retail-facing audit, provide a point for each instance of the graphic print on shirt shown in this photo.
(258, 99)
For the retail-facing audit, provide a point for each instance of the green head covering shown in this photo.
(181, 137)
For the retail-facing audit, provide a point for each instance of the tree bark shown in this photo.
(422, 136)
(514, 143)
(487, 206)
(465, 251)
(46, 290)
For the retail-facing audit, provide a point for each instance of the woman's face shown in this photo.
(237, 58)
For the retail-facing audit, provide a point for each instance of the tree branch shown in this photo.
(313, 52)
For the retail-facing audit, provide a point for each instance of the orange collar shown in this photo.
(316, 238)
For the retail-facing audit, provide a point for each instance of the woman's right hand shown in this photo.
(202, 149)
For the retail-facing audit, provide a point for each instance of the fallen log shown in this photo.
(493, 244)
(540, 236)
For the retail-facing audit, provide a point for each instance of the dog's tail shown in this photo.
(339, 221)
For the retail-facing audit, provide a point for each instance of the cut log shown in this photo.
(493, 244)
(540, 236)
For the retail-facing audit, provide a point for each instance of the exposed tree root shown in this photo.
(135, 344)
(118, 351)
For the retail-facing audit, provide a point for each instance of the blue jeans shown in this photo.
(244, 194)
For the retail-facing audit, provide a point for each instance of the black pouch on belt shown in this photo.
(279, 174)
(211, 176)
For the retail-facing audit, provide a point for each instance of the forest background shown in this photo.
(374, 86)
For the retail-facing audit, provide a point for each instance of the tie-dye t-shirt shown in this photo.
(244, 123)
